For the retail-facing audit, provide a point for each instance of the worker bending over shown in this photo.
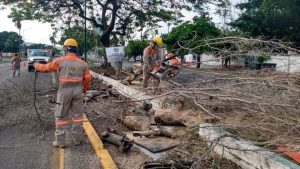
(74, 78)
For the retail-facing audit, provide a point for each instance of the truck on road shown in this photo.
(38, 55)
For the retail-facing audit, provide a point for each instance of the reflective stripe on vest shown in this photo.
(77, 120)
(70, 79)
(61, 122)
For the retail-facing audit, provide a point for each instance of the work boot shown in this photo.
(77, 139)
(59, 141)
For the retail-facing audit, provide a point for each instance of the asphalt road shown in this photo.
(26, 143)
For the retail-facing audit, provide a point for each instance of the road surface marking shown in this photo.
(61, 158)
(103, 155)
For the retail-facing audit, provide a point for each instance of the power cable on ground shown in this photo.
(34, 96)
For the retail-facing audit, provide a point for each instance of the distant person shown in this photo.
(74, 78)
(152, 62)
(227, 61)
(16, 65)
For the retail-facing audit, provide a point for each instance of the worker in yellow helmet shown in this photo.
(152, 58)
(74, 78)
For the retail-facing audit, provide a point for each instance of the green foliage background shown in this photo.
(77, 33)
(270, 19)
(9, 42)
(136, 48)
(190, 32)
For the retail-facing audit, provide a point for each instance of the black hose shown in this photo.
(34, 96)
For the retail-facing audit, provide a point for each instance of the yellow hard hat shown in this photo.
(158, 40)
(71, 42)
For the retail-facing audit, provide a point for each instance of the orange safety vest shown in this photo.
(71, 70)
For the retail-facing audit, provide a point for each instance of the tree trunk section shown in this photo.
(198, 61)
(106, 43)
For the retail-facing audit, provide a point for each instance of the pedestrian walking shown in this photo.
(16, 65)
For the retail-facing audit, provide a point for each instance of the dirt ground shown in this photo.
(108, 113)
(259, 106)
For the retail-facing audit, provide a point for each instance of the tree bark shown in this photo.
(198, 61)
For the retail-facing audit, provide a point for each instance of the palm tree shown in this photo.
(19, 26)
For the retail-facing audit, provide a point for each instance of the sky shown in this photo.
(37, 32)
(32, 31)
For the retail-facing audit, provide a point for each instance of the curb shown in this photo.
(102, 154)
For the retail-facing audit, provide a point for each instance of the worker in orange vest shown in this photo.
(74, 78)
(152, 62)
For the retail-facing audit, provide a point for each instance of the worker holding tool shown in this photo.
(152, 61)
(74, 78)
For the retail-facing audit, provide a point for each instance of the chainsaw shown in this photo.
(166, 71)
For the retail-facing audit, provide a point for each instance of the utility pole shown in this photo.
(84, 30)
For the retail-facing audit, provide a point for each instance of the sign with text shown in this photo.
(115, 54)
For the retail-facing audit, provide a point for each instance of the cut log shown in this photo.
(129, 79)
(144, 109)
(137, 123)
(168, 120)
(241, 152)
(167, 117)
(167, 131)
(146, 133)
(158, 131)
(137, 69)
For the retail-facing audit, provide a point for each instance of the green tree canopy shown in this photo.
(112, 17)
(136, 48)
(77, 33)
(9, 41)
(271, 19)
(189, 32)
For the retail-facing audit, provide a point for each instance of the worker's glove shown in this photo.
(35, 63)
